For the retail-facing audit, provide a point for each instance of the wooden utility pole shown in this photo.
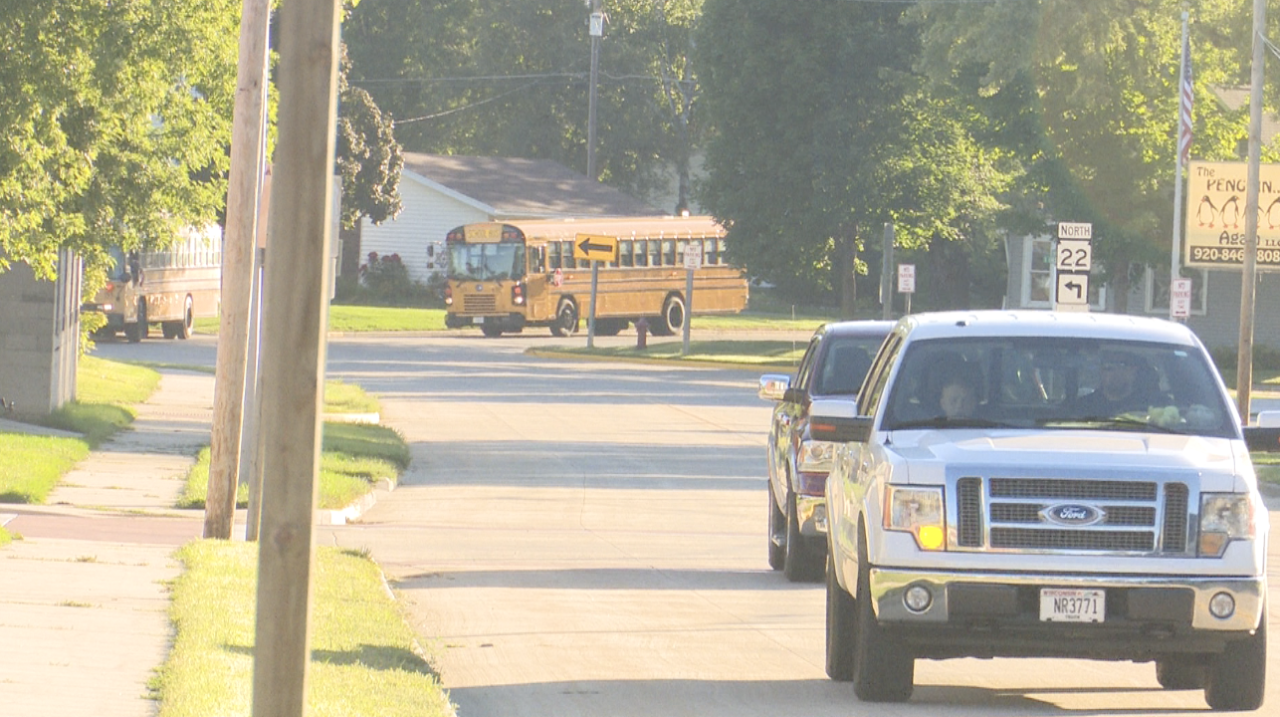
(244, 189)
(296, 294)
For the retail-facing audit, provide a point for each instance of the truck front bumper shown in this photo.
(998, 614)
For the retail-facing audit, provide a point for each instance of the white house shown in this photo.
(439, 193)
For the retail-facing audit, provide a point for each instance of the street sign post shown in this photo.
(907, 283)
(1073, 259)
(595, 248)
(692, 262)
(1180, 299)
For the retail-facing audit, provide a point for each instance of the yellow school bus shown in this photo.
(503, 277)
(170, 287)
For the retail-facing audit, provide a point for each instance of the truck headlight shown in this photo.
(919, 512)
(1224, 517)
(815, 457)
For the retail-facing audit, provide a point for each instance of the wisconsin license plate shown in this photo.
(1072, 605)
(478, 319)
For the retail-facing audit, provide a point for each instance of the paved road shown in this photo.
(579, 538)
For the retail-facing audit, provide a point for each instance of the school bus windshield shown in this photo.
(486, 262)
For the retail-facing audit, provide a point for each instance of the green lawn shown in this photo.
(773, 355)
(353, 458)
(364, 658)
(30, 466)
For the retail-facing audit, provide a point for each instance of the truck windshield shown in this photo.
(486, 262)
(1108, 385)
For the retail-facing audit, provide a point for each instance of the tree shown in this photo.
(117, 118)
(368, 156)
(508, 77)
(822, 134)
(1103, 82)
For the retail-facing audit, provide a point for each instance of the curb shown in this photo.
(352, 513)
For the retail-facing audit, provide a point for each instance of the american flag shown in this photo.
(1187, 94)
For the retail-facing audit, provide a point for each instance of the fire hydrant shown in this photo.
(642, 333)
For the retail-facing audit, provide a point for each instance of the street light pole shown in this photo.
(1249, 274)
(596, 27)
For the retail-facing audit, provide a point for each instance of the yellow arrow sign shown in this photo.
(595, 247)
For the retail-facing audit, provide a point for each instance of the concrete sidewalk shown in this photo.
(83, 597)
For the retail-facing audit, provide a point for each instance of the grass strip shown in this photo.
(364, 658)
(749, 354)
(353, 458)
(341, 397)
(5, 537)
(30, 466)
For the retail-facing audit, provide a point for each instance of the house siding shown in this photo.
(426, 217)
(1218, 326)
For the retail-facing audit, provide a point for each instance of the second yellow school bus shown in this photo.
(503, 277)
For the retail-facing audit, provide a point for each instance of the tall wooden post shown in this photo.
(296, 308)
(243, 193)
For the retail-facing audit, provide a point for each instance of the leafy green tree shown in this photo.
(823, 134)
(509, 77)
(1103, 81)
(117, 118)
(368, 156)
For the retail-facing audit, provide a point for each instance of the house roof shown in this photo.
(511, 187)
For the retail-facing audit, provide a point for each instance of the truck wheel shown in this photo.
(566, 319)
(1180, 673)
(137, 331)
(804, 563)
(673, 317)
(187, 326)
(841, 622)
(490, 330)
(1237, 678)
(882, 670)
(777, 532)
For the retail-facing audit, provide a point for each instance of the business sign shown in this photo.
(1180, 299)
(594, 247)
(906, 278)
(1216, 196)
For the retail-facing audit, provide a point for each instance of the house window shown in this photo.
(1157, 290)
(1040, 276)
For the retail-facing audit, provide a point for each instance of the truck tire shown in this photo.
(882, 670)
(1237, 678)
(777, 532)
(842, 614)
(673, 317)
(804, 561)
(1181, 673)
(566, 322)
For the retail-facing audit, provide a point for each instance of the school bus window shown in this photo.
(680, 245)
(668, 252)
(553, 260)
(642, 252)
(624, 252)
(655, 253)
(720, 244)
(709, 251)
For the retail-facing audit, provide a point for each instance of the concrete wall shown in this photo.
(39, 336)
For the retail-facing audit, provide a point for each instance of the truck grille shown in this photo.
(1018, 514)
(479, 304)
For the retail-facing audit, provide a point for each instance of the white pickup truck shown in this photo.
(1045, 484)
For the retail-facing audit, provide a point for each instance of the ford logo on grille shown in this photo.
(1073, 514)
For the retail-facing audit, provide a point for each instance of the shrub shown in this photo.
(1265, 358)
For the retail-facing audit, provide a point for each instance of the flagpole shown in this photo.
(1176, 251)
